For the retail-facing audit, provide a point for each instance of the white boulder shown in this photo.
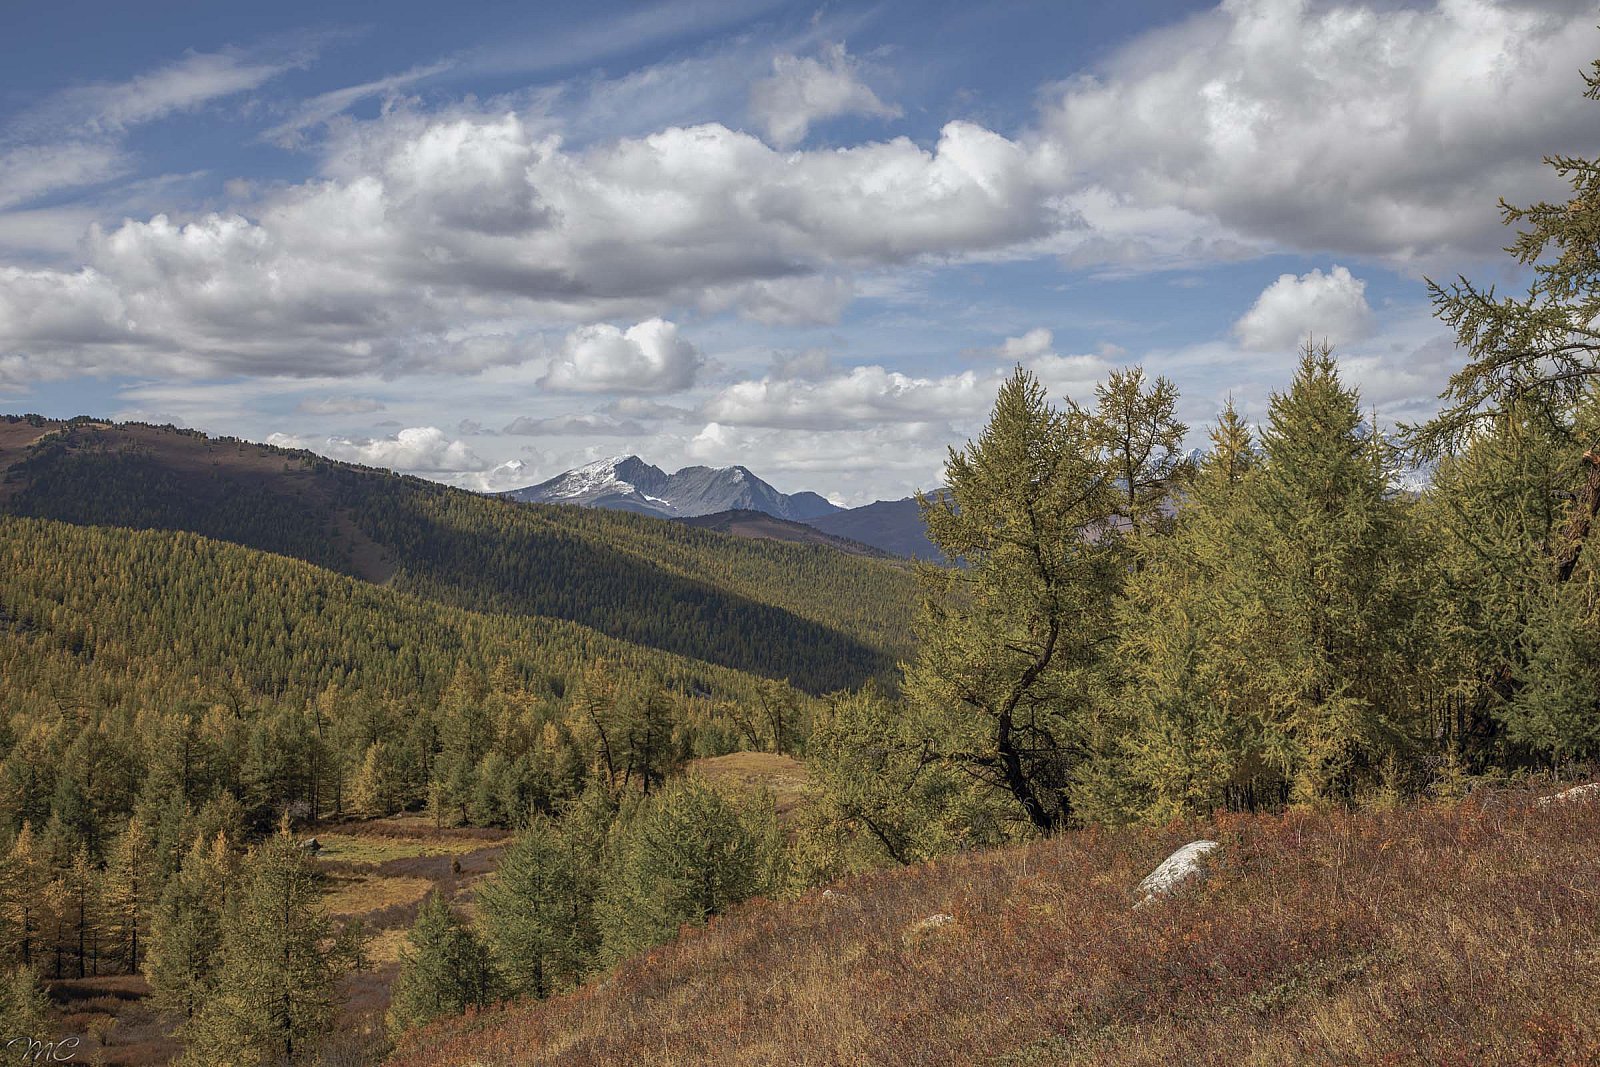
(1182, 866)
(1576, 793)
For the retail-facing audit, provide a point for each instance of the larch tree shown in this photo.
(1539, 351)
(1014, 643)
(539, 910)
(186, 929)
(1193, 740)
(1327, 579)
(130, 893)
(273, 995)
(444, 969)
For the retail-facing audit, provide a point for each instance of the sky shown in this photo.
(488, 242)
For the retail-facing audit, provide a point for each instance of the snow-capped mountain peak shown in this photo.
(628, 483)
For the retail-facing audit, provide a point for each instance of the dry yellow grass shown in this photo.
(361, 896)
(1461, 934)
(784, 776)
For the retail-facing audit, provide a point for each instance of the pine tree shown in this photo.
(186, 930)
(538, 910)
(444, 970)
(273, 994)
(1011, 643)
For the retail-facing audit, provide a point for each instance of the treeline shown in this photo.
(1139, 637)
(824, 619)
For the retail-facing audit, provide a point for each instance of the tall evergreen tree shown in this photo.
(1278, 642)
(130, 893)
(687, 852)
(25, 897)
(186, 930)
(538, 910)
(1012, 642)
(273, 995)
(444, 970)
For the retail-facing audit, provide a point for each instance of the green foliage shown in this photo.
(444, 970)
(538, 910)
(880, 791)
(273, 992)
(682, 855)
(1537, 353)
(186, 931)
(1276, 645)
(23, 1007)
(1011, 669)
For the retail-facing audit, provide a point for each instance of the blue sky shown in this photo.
(488, 242)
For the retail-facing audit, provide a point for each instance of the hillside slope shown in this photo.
(742, 522)
(819, 617)
(136, 616)
(1461, 934)
(895, 526)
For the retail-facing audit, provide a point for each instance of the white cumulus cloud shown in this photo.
(862, 396)
(650, 357)
(1378, 129)
(416, 449)
(805, 90)
(1330, 307)
(1034, 343)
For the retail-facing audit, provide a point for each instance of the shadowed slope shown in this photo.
(825, 619)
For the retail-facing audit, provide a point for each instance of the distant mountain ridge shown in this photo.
(742, 522)
(895, 526)
(628, 483)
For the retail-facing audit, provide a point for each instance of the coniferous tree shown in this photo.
(273, 994)
(1277, 642)
(686, 853)
(25, 897)
(81, 894)
(876, 777)
(130, 893)
(1135, 425)
(539, 910)
(24, 1008)
(1191, 743)
(1011, 644)
(186, 929)
(444, 970)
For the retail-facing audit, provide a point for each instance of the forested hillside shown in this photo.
(806, 613)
